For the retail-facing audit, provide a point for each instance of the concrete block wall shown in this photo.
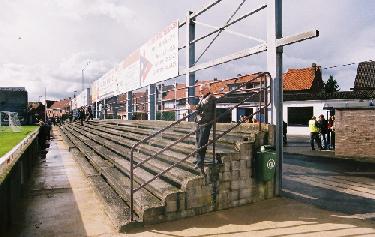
(234, 180)
(355, 133)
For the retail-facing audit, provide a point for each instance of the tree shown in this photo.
(331, 85)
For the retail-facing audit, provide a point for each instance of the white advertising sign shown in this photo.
(159, 56)
(107, 85)
(128, 74)
(95, 91)
(155, 61)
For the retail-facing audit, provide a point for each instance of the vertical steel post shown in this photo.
(131, 186)
(190, 59)
(96, 109)
(83, 80)
(274, 67)
(151, 102)
(265, 99)
(129, 105)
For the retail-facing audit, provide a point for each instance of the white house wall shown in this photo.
(317, 110)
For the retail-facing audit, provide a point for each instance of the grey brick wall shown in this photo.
(355, 129)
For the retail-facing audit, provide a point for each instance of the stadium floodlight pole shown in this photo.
(45, 102)
(83, 75)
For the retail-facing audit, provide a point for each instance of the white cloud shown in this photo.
(60, 36)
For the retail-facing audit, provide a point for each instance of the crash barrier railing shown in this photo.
(142, 101)
(256, 91)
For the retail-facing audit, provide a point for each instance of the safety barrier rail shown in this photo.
(257, 91)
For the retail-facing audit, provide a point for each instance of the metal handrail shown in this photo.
(132, 167)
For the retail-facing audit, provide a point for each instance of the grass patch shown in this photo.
(9, 139)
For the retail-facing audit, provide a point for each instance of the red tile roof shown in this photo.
(62, 104)
(215, 87)
(298, 79)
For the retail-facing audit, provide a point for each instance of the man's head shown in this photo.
(204, 89)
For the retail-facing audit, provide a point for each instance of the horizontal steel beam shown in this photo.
(240, 54)
(227, 25)
(231, 32)
(202, 10)
(287, 40)
(291, 39)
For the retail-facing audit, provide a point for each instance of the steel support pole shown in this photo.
(129, 105)
(151, 102)
(190, 59)
(83, 80)
(274, 67)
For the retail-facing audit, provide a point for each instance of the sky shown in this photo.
(47, 43)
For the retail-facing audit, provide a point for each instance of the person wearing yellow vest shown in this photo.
(314, 133)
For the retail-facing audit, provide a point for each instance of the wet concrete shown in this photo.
(62, 203)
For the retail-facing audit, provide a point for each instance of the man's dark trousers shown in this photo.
(202, 136)
(314, 136)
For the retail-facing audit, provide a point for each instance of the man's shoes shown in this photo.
(313, 149)
(198, 166)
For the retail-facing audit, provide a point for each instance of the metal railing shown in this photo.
(256, 91)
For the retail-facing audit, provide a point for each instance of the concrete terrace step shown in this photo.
(245, 130)
(174, 176)
(224, 145)
(159, 187)
(116, 209)
(129, 139)
(182, 191)
(173, 155)
(149, 208)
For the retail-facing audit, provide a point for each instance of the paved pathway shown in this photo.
(61, 203)
(315, 177)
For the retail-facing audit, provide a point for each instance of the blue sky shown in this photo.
(46, 43)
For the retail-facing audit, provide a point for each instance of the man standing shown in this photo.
(323, 126)
(205, 115)
(90, 114)
(314, 133)
(81, 115)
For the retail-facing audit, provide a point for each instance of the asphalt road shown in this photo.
(316, 177)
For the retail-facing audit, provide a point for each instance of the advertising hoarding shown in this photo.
(128, 73)
(155, 61)
(159, 56)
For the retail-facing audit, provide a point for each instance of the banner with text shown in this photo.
(159, 56)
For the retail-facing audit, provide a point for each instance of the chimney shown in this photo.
(313, 65)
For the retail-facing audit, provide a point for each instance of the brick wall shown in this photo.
(355, 129)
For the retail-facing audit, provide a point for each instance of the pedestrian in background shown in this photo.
(89, 113)
(323, 130)
(331, 130)
(314, 133)
(285, 130)
(81, 115)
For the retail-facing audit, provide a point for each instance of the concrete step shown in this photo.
(170, 156)
(149, 208)
(159, 187)
(224, 145)
(174, 176)
(172, 199)
(115, 208)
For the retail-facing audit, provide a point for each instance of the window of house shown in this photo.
(299, 116)
(233, 87)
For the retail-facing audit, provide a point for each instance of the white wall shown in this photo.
(317, 108)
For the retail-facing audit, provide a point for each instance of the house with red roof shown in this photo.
(304, 95)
